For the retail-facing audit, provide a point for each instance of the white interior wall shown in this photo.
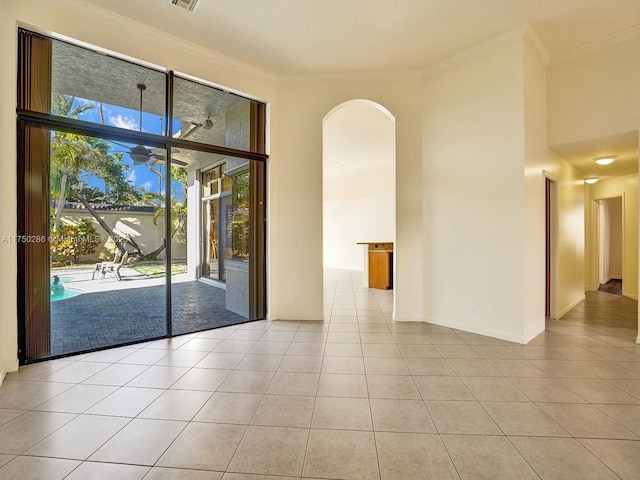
(595, 95)
(537, 160)
(474, 202)
(301, 109)
(614, 206)
(358, 182)
(567, 241)
(611, 248)
(485, 151)
(605, 221)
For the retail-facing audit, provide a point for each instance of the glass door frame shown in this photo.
(33, 86)
(27, 118)
(204, 225)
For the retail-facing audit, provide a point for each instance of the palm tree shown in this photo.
(69, 152)
(75, 156)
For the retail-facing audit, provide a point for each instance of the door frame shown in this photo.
(551, 235)
(599, 236)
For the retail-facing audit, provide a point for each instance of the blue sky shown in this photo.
(142, 176)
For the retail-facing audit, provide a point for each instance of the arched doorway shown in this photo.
(359, 186)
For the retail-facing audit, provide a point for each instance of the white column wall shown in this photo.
(474, 208)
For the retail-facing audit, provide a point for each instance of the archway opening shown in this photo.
(359, 184)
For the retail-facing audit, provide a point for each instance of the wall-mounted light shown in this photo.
(591, 180)
(605, 160)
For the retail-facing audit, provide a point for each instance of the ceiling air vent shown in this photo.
(189, 5)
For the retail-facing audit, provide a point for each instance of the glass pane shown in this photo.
(101, 89)
(210, 256)
(209, 115)
(107, 243)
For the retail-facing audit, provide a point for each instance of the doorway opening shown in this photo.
(216, 200)
(609, 221)
(358, 184)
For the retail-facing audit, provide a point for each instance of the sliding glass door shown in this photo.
(141, 202)
(106, 245)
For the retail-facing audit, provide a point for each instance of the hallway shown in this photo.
(355, 397)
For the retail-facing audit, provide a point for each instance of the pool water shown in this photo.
(59, 292)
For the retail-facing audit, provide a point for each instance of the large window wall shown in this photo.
(117, 222)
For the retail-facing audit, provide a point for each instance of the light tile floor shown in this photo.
(355, 397)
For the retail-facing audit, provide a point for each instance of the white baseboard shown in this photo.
(304, 318)
(483, 331)
(8, 367)
(572, 305)
(407, 319)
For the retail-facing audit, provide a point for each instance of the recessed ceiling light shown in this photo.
(605, 160)
(590, 180)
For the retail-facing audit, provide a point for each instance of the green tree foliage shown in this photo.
(77, 157)
(69, 241)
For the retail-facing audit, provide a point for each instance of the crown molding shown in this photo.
(350, 76)
(524, 31)
(162, 38)
(534, 41)
(597, 45)
(500, 40)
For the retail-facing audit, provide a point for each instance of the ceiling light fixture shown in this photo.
(605, 160)
(591, 180)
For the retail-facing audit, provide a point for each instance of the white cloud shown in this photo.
(124, 122)
(87, 101)
(146, 186)
(131, 178)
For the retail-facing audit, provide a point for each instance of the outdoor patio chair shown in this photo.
(100, 266)
(113, 268)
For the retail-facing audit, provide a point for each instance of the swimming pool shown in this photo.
(59, 292)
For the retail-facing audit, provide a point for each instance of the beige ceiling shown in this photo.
(582, 155)
(297, 38)
(306, 37)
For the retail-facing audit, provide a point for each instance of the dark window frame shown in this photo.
(32, 98)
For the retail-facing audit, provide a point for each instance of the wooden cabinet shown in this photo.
(379, 264)
(381, 269)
